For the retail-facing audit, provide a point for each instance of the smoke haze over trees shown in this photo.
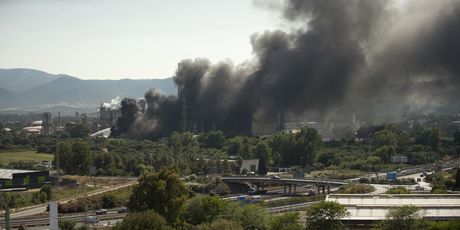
(375, 58)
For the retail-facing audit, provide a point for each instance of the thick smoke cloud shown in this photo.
(368, 57)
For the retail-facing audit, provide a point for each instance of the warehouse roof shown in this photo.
(8, 173)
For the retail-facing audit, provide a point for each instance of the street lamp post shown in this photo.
(270, 196)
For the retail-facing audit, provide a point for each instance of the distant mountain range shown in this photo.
(28, 90)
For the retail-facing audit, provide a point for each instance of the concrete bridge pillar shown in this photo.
(328, 189)
(324, 187)
(295, 189)
(290, 189)
(284, 186)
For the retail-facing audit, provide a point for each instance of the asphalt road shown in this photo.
(37, 209)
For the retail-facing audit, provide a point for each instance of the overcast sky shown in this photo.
(113, 39)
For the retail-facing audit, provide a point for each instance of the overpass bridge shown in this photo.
(289, 184)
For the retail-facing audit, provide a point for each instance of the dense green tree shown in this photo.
(109, 201)
(247, 149)
(161, 191)
(429, 137)
(221, 224)
(80, 157)
(263, 153)
(249, 216)
(406, 217)
(433, 139)
(48, 191)
(42, 197)
(328, 158)
(203, 209)
(325, 215)
(103, 160)
(65, 156)
(387, 136)
(78, 130)
(234, 145)
(287, 221)
(148, 220)
(296, 148)
(182, 139)
(67, 224)
(212, 139)
(443, 225)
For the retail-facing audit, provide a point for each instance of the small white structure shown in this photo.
(250, 165)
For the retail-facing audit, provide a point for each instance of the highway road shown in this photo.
(42, 222)
(418, 171)
(37, 209)
(112, 217)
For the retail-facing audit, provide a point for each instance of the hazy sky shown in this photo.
(112, 39)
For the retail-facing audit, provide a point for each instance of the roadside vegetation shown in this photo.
(444, 180)
(107, 200)
(397, 190)
(27, 198)
(356, 189)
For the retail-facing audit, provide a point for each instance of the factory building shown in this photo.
(15, 178)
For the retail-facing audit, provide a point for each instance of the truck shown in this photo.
(392, 176)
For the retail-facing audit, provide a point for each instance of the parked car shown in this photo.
(122, 210)
(91, 220)
(275, 177)
(101, 211)
(311, 192)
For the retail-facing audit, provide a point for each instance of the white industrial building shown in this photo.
(374, 207)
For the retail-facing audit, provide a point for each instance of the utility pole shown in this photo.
(57, 159)
(7, 219)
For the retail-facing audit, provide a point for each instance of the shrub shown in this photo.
(221, 224)
(67, 224)
(356, 189)
(108, 201)
(148, 220)
(397, 190)
(49, 192)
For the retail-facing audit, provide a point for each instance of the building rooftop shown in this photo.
(375, 207)
(7, 174)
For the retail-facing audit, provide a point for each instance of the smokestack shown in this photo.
(47, 123)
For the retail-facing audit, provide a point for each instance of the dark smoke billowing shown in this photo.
(369, 57)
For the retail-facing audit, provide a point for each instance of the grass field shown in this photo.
(7, 157)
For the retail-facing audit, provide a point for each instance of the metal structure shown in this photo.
(289, 184)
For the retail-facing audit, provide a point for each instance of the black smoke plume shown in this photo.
(368, 57)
